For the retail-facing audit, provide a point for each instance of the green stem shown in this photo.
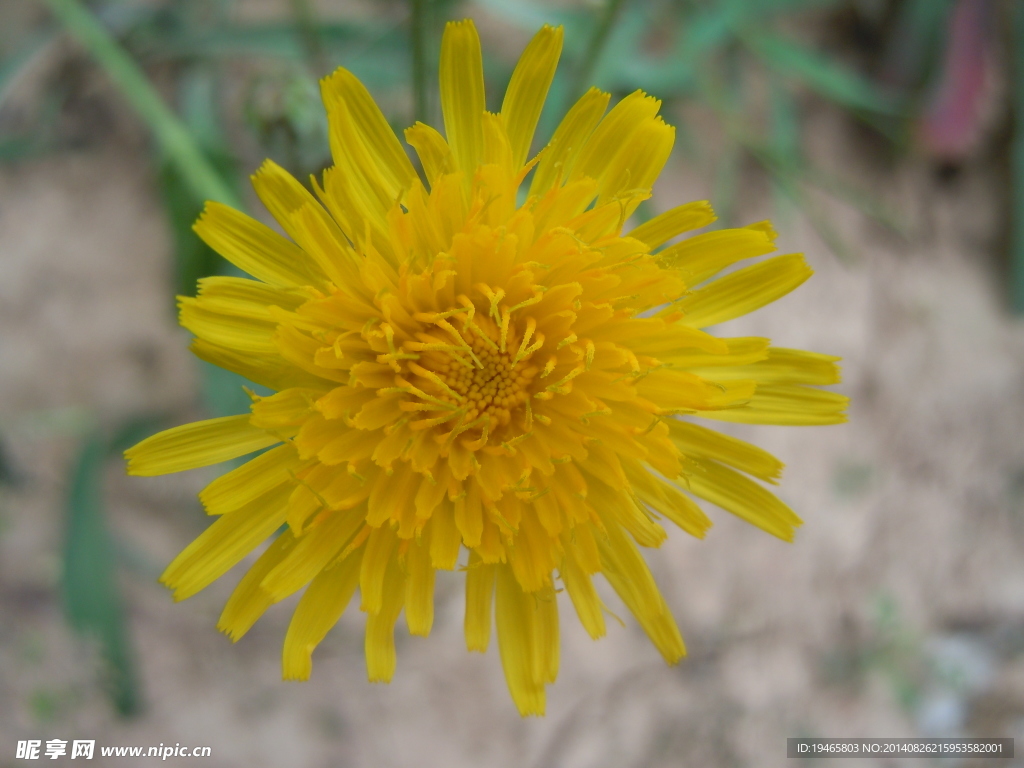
(171, 134)
(595, 47)
(417, 32)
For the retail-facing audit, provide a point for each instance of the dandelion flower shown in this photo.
(456, 370)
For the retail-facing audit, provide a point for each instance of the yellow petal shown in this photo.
(558, 157)
(378, 138)
(246, 298)
(433, 151)
(626, 512)
(391, 494)
(419, 589)
(255, 248)
(248, 602)
(221, 546)
(379, 646)
(462, 92)
(479, 597)
(317, 547)
(732, 491)
(227, 328)
(528, 88)
(787, 405)
(445, 539)
(743, 291)
(305, 220)
(198, 444)
(528, 640)
(630, 578)
(289, 408)
(698, 258)
(739, 352)
(614, 132)
(380, 547)
(317, 612)
(784, 366)
(673, 222)
(636, 164)
(254, 478)
(469, 515)
(534, 555)
(584, 596)
(269, 370)
(695, 440)
(673, 390)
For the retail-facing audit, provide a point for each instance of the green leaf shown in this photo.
(820, 73)
(92, 599)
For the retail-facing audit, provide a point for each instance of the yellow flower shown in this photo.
(454, 369)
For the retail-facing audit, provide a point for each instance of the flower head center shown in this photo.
(477, 376)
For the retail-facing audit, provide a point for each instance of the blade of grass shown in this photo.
(172, 136)
(92, 599)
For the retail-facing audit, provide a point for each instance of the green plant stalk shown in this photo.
(417, 32)
(584, 72)
(1017, 212)
(171, 134)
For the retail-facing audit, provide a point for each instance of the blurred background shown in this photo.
(885, 138)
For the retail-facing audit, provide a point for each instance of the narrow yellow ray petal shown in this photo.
(269, 370)
(743, 291)
(221, 546)
(695, 440)
(248, 602)
(787, 405)
(629, 576)
(379, 645)
(255, 248)
(462, 93)
(515, 643)
(746, 499)
(559, 156)
(321, 606)
(613, 132)
(290, 408)
(433, 151)
(528, 89)
(317, 547)
(254, 478)
(584, 596)
(212, 323)
(479, 596)
(419, 589)
(636, 164)
(377, 136)
(699, 258)
(445, 539)
(673, 222)
(784, 366)
(380, 546)
(198, 444)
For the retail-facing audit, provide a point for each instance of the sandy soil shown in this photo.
(899, 610)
